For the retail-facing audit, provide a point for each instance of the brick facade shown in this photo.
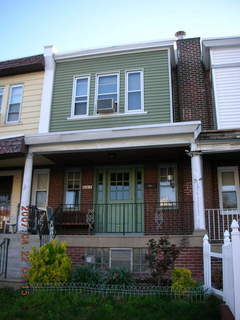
(193, 85)
(190, 258)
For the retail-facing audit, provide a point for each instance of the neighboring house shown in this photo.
(21, 82)
(138, 138)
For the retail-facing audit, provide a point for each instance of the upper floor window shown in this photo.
(108, 87)
(134, 91)
(167, 185)
(15, 100)
(1, 98)
(228, 184)
(81, 96)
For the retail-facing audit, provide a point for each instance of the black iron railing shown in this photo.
(4, 257)
(124, 218)
(41, 223)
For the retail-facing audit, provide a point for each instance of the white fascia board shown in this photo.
(92, 53)
(170, 129)
(217, 147)
(210, 43)
(115, 144)
(12, 136)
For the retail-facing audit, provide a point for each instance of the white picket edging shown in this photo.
(231, 268)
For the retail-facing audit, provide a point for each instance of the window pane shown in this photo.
(1, 97)
(167, 194)
(228, 179)
(121, 259)
(42, 181)
(108, 96)
(13, 117)
(107, 84)
(82, 87)
(229, 200)
(14, 108)
(134, 100)
(16, 95)
(41, 198)
(134, 81)
(72, 197)
(80, 108)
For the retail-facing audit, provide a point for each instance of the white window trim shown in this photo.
(220, 170)
(65, 184)
(87, 76)
(20, 107)
(1, 105)
(34, 186)
(127, 72)
(169, 165)
(106, 74)
(110, 257)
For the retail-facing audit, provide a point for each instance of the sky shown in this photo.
(27, 25)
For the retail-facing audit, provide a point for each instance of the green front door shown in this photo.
(119, 205)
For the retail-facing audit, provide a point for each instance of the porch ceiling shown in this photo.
(136, 156)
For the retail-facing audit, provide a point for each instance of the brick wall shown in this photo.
(190, 258)
(76, 254)
(194, 90)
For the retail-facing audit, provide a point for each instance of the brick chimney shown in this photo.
(193, 82)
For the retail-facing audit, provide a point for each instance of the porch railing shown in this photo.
(4, 257)
(219, 220)
(127, 218)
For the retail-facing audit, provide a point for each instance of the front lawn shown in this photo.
(51, 306)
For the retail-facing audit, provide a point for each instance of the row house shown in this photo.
(136, 142)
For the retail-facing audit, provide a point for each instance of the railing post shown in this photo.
(236, 266)
(228, 285)
(207, 263)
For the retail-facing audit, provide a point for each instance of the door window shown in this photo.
(119, 186)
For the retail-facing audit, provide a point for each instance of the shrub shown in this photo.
(49, 264)
(182, 281)
(86, 274)
(119, 276)
(161, 257)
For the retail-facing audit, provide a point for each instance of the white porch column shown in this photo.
(197, 189)
(26, 194)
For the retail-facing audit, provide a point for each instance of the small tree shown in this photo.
(161, 257)
(49, 264)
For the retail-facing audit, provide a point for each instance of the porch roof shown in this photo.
(170, 134)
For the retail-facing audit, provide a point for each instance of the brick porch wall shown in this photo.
(189, 258)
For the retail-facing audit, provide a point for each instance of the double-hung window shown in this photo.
(108, 87)
(1, 98)
(80, 96)
(72, 189)
(167, 185)
(15, 101)
(134, 91)
(228, 184)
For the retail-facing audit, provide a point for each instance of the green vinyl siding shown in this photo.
(156, 90)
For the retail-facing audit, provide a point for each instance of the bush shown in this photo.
(119, 276)
(161, 258)
(49, 264)
(182, 281)
(86, 274)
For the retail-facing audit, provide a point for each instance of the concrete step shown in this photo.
(15, 263)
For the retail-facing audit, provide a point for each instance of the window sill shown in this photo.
(13, 123)
(101, 116)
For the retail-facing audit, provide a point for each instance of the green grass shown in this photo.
(51, 306)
